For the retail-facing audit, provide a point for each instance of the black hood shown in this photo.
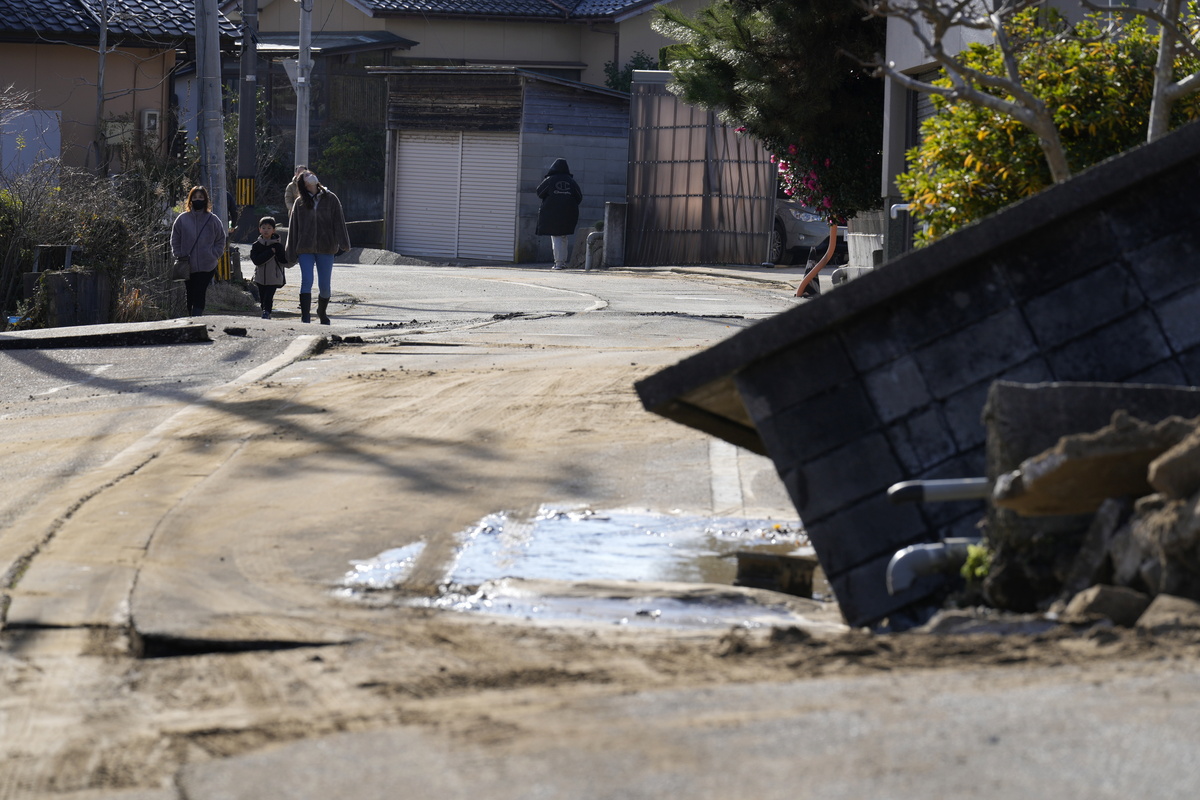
(559, 168)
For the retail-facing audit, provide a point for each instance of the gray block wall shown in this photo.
(885, 378)
(1095, 280)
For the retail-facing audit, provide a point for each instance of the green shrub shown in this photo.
(973, 161)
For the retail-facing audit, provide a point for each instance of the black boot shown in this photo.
(305, 307)
(322, 304)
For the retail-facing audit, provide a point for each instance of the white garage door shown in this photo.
(456, 195)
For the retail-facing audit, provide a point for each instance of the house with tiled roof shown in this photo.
(565, 40)
(49, 51)
(571, 39)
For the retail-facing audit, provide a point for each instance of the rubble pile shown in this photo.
(1111, 521)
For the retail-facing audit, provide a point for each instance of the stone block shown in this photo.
(1073, 247)
(964, 410)
(793, 375)
(952, 302)
(864, 532)
(897, 388)
(1189, 362)
(1180, 318)
(1120, 604)
(1176, 473)
(1092, 565)
(1168, 613)
(1164, 373)
(942, 306)
(1161, 268)
(863, 597)
(984, 350)
(1083, 470)
(1079, 306)
(1155, 209)
(921, 440)
(1114, 352)
(1025, 419)
(847, 475)
(819, 424)
(875, 338)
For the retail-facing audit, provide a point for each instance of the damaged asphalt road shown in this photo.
(176, 632)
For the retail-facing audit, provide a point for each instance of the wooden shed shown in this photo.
(467, 147)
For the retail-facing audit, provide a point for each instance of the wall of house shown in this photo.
(591, 131)
(637, 33)
(884, 379)
(327, 15)
(63, 78)
(491, 40)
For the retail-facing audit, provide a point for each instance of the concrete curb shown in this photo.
(112, 335)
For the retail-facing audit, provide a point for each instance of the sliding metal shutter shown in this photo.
(427, 170)
(456, 195)
(487, 214)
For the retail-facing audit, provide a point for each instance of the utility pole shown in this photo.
(304, 82)
(247, 165)
(211, 119)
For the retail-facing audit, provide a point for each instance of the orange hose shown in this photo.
(812, 274)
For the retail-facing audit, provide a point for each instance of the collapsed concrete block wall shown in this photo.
(884, 379)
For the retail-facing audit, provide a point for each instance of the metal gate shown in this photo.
(456, 194)
(698, 192)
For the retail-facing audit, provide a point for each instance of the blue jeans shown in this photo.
(324, 262)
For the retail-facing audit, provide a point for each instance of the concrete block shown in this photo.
(1180, 318)
(820, 424)
(964, 410)
(1165, 373)
(952, 302)
(1114, 352)
(897, 388)
(1169, 613)
(1025, 419)
(793, 375)
(863, 596)
(1190, 362)
(864, 532)
(847, 475)
(1162, 267)
(926, 312)
(1083, 304)
(922, 440)
(1149, 212)
(875, 338)
(1073, 247)
(941, 516)
(981, 351)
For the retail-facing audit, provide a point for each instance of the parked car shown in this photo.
(799, 228)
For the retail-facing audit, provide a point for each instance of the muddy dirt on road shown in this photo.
(186, 610)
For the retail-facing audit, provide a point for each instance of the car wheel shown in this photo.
(780, 252)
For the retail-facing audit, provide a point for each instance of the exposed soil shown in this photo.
(400, 454)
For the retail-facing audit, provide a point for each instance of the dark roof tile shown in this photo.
(156, 20)
(504, 8)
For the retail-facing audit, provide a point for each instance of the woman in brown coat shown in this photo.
(316, 233)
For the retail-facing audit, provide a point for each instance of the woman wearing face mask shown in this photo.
(316, 233)
(198, 235)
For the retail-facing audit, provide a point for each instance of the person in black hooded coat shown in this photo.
(559, 214)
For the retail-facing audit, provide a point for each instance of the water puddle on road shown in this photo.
(626, 567)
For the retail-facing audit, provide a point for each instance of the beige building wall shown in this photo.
(637, 34)
(63, 78)
(327, 15)
(490, 40)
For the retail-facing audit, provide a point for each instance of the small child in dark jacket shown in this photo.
(269, 259)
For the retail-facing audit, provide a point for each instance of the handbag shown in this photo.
(181, 270)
